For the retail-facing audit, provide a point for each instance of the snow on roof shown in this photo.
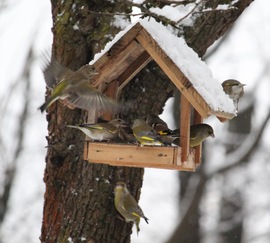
(188, 61)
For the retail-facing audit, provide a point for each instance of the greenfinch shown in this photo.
(126, 134)
(127, 206)
(199, 132)
(105, 131)
(169, 136)
(145, 134)
(76, 88)
(156, 122)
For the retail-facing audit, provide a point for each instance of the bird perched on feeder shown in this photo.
(106, 131)
(198, 133)
(75, 87)
(127, 206)
(169, 136)
(234, 89)
(145, 134)
(126, 134)
(156, 122)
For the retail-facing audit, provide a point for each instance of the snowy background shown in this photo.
(28, 23)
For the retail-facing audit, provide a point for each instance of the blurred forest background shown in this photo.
(227, 200)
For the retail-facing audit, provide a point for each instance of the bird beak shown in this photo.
(212, 135)
(243, 85)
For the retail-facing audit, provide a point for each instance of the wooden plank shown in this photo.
(222, 116)
(173, 72)
(190, 161)
(120, 45)
(111, 91)
(223, 119)
(197, 119)
(117, 64)
(133, 69)
(133, 156)
(125, 40)
(185, 110)
(177, 157)
(177, 77)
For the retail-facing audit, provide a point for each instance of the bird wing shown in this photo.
(54, 71)
(151, 135)
(147, 134)
(101, 126)
(193, 133)
(131, 204)
(89, 98)
(156, 122)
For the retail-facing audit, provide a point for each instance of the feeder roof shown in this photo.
(143, 41)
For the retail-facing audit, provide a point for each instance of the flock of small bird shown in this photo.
(151, 130)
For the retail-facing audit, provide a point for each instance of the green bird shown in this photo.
(169, 136)
(156, 122)
(105, 131)
(145, 134)
(234, 89)
(126, 134)
(199, 132)
(127, 206)
(75, 87)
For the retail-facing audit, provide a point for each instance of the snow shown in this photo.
(187, 60)
(23, 24)
(221, 7)
(138, 1)
(110, 44)
(120, 22)
(176, 13)
(191, 65)
(169, 12)
(159, 203)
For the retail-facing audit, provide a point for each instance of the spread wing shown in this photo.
(89, 98)
(54, 71)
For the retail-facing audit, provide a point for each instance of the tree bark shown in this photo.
(79, 196)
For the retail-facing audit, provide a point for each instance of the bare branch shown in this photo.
(191, 11)
(10, 171)
(111, 14)
(248, 147)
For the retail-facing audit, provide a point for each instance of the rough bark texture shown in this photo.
(79, 196)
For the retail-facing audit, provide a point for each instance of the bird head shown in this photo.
(117, 122)
(211, 132)
(229, 84)
(121, 187)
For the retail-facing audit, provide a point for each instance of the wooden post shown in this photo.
(184, 127)
(111, 92)
(197, 119)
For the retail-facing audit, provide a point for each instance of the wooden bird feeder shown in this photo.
(117, 66)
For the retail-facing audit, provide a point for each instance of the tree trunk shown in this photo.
(79, 196)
